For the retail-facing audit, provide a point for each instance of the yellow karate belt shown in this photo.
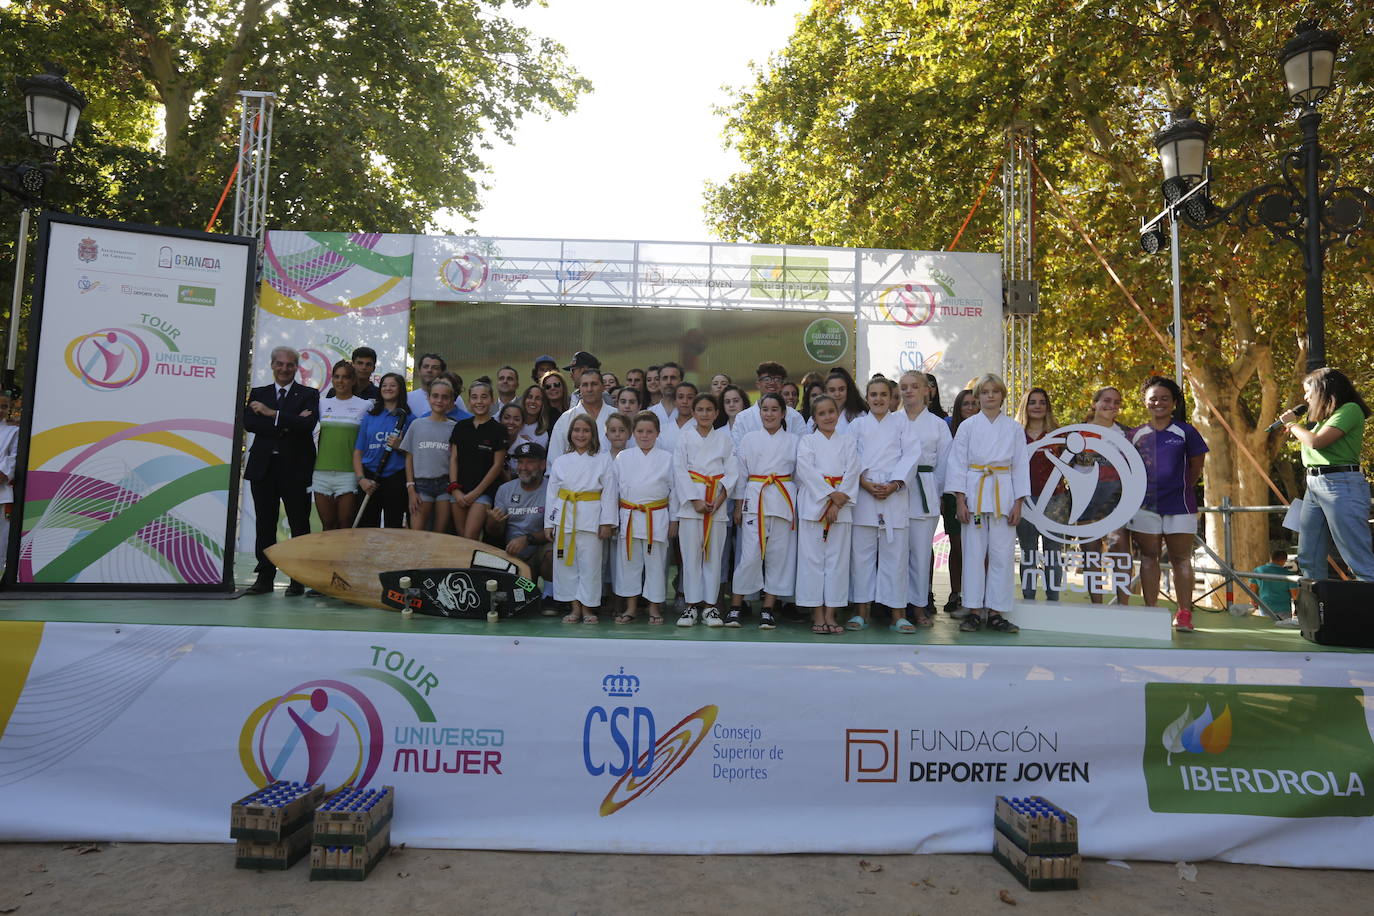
(990, 470)
(574, 497)
(711, 482)
(772, 480)
(923, 469)
(648, 510)
(834, 482)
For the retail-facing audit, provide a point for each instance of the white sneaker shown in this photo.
(688, 618)
(711, 617)
(1288, 623)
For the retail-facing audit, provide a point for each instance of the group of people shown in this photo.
(820, 495)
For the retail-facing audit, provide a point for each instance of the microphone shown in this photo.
(1298, 411)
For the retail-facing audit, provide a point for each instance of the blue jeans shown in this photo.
(1029, 538)
(1336, 507)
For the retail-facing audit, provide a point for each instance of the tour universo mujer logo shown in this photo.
(1272, 751)
(108, 359)
(1078, 483)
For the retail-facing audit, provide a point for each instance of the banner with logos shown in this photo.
(689, 746)
(136, 355)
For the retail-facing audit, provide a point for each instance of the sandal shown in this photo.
(971, 624)
(590, 618)
(834, 629)
(1001, 624)
(902, 625)
(573, 618)
(655, 620)
(820, 629)
(923, 620)
(625, 618)
(856, 623)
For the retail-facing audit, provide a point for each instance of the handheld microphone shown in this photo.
(1298, 411)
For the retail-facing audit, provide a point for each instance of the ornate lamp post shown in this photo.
(1306, 206)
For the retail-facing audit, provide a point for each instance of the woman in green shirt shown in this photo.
(1337, 502)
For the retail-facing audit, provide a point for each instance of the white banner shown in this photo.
(137, 361)
(690, 746)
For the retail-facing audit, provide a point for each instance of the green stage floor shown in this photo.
(1215, 630)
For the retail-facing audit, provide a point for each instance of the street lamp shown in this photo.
(1306, 207)
(53, 107)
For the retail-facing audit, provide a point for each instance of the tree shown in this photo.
(882, 119)
(384, 106)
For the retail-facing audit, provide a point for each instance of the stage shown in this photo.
(142, 718)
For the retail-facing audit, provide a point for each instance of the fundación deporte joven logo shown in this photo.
(1271, 751)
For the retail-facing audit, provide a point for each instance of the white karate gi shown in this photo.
(669, 432)
(713, 457)
(558, 436)
(641, 560)
(926, 444)
(877, 569)
(575, 473)
(748, 420)
(989, 465)
(823, 466)
(767, 557)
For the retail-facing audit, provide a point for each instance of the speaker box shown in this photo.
(1337, 613)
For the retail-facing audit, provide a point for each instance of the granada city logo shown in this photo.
(1267, 751)
(334, 730)
(623, 741)
(110, 359)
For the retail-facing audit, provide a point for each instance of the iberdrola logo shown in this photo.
(1201, 735)
(1269, 751)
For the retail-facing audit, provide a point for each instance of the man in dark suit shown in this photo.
(282, 418)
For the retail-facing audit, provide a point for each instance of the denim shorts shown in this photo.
(433, 489)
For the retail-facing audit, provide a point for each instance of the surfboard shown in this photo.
(350, 564)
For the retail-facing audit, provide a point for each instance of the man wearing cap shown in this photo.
(770, 376)
(542, 364)
(583, 362)
(517, 519)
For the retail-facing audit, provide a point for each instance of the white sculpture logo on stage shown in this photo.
(1059, 512)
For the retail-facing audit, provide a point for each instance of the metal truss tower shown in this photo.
(1020, 296)
(255, 154)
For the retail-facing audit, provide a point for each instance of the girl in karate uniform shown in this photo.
(926, 446)
(618, 434)
(765, 514)
(877, 570)
(579, 516)
(989, 475)
(827, 477)
(644, 483)
(704, 472)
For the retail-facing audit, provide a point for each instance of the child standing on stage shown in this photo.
(579, 518)
(644, 484)
(426, 444)
(704, 471)
(877, 570)
(926, 447)
(618, 435)
(827, 477)
(989, 475)
(476, 459)
(765, 515)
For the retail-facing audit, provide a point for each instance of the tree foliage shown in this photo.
(383, 105)
(882, 120)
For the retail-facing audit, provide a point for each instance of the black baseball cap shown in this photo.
(583, 360)
(529, 450)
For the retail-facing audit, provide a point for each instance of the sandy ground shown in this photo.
(152, 878)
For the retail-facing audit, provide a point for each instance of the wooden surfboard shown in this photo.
(348, 563)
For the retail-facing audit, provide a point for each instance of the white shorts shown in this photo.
(1147, 522)
(333, 483)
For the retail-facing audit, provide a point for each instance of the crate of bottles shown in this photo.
(277, 856)
(1037, 841)
(353, 817)
(348, 863)
(274, 813)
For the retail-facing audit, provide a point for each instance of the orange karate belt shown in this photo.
(834, 482)
(648, 510)
(712, 482)
(574, 497)
(990, 470)
(772, 480)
